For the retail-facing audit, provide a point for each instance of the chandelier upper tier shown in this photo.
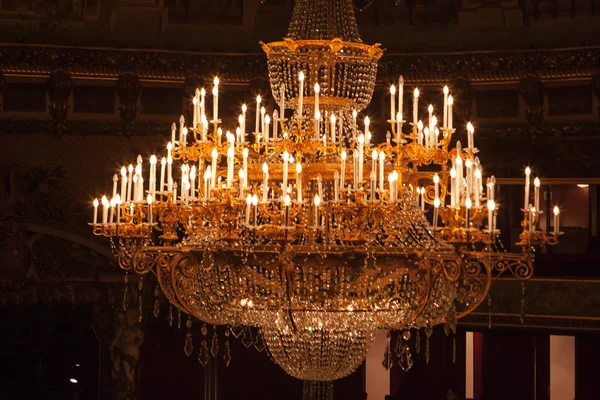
(301, 225)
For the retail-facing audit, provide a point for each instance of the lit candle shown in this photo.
(163, 163)
(169, 149)
(361, 141)
(381, 172)
(430, 110)
(248, 204)
(470, 131)
(317, 91)
(299, 181)
(477, 185)
(202, 103)
(332, 119)
(317, 124)
(491, 206)
(230, 161)
(118, 204)
(95, 203)
(374, 157)
(184, 137)
(219, 136)
(181, 126)
(152, 185)
(532, 211)
(367, 132)
(262, 118)
(436, 206)
(242, 176)
(129, 182)
(286, 158)
(282, 100)
(415, 106)
(193, 173)
(265, 169)
(445, 118)
(173, 130)
(257, 126)
(392, 102)
(450, 116)
(421, 192)
(215, 155)
(399, 128)
(373, 178)
(459, 179)
(317, 202)
(195, 108)
(104, 210)
(556, 222)
(527, 183)
(344, 155)
(184, 177)
(215, 93)
(436, 183)
(300, 93)
(124, 182)
(287, 201)
(400, 96)
(427, 137)
(355, 169)
(420, 132)
(468, 212)
(469, 167)
(276, 120)
(112, 210)
(391, 184)
(266, 131)
(255, 206)
(536, 193)
(169, 174)
(245, 166)
(149, 200)
(207, 176)
(243, 123)
(204, 126)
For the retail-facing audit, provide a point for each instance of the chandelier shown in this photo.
(305, 228)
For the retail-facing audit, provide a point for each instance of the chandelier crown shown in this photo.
(323, 20)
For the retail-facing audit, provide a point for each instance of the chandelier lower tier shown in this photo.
(305, 228)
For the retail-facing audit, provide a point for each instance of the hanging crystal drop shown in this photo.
(204, 330)
(179, 318)
(450, 325)
(387, 355)
(156, 303)
(454, 349)
(170, 315)
(125, 292)
(140, 305)
(428, 332)
(247, 338)
(405, 358)
(227, 353)
(418, 341)
(203, 355)
(214, 348)
(260, 344)
(189, 345)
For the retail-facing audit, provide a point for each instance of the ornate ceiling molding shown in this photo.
(168, 65)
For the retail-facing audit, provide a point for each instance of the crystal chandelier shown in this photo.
(305, 228)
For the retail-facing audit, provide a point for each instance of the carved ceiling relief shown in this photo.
(532, 91)
(59, 88)
(128, 89)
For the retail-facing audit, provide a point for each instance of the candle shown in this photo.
(173, 130)
(129, 182)
(300, 93)
(215, 93)
(344, 155)
(332, 129)
(392, 102)
(242, 175)
(230, 162)
(95, 203)
(373, 179)
(248, 204)
(123, 182)
(184, 171)
(477, 185)
(286, 158)
(532, 212)
(118, 204)
(468, 212)
(355, 169)
(453, 187)
(104, 210)
(202, 103)
(215, 155)
(266, 131)
(152, 186)
(282, 100)
(193, 182)
(136, 187)
(219, 136)
(169, 149)
(115, 180)
(320, 185)
(469, 167)
(276, 119)
(287, 201)
(445, 117)
(556, 222)
(317, 202)
(317, 91)
(361, 141)
(243, 123)
(299, 181)
(374, 157)
(421, 192)
(381, 172)
(181, 126)
(400, 96)
(459, 178)
(336, 186)
(527, 183)
(430, 110)
(184, 137)
(207, 176)
(265, 169)
(149, 200)
(491, 206)
(204, 126)
(262, 119)
(450, 116)
(367, 132)
(427, 137)
(536, 193)
(420, 132)
(436, 183)
(112, 210)
(415, 106)
(163, 163)
(195, 108)
(256, 126)
(245, 166)
(255, 206)
(470, 131)
(436, 206)
(399, 128)
(169, 174)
